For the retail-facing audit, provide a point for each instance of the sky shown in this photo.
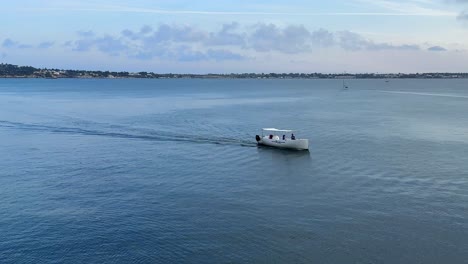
(227, 36)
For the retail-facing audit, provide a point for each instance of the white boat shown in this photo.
(281, 138)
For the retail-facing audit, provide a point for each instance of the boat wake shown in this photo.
(131, 133)
(426, 94)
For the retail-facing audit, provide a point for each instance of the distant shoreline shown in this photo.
(9, 71)
(232, 78)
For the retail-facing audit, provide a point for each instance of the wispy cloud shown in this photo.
(457, 1)
(394, 9)
(410, 7)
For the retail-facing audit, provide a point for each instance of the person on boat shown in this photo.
(284, 137)
(271, 137)
(293, 137)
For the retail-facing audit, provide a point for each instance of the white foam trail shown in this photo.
(427, 94)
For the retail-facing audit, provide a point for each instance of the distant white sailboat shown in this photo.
(344, 85)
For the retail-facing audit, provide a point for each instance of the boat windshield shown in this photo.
(278, 130)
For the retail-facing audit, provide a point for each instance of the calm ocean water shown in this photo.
(167, 171)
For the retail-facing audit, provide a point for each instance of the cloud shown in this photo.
(297, 39)
(323, 38)
(106, 44)
(88, 40)
(437, 48)
(10, 44)
(230, 42)
(136, 35)
(269, 37)
(173, 42)
(227, 36)
(85, 33)
(110, 45)
(178, 34)
(68, 43)
(353, 42)
(146, 29)
(81, 44)
(187, 54)
(166, 33)
(463, 16)
(25, 46)
(45, 45)
(221, 55)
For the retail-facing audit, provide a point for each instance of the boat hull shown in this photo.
(298, 144)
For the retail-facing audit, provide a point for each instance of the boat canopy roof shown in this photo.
(278, 130)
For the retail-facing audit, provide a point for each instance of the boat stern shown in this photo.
(303, 144)
(258, 138)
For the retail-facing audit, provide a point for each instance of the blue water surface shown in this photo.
(167, 171)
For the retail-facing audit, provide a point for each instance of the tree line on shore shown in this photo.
(15, 71)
